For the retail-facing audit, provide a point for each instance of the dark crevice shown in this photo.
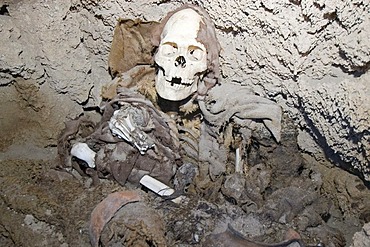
(99, 17)
(296, 2)
(73, 9)
(357, 71)
(245, 12)
(229, 30)
(330, 153)
(318, 6)
(92, 109)
(330, 16)
(84, 103)
(162, 2)
(325, 217)
(4, 10)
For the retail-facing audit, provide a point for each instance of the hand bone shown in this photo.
(123, 126)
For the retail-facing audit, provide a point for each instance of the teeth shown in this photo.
(179, 83)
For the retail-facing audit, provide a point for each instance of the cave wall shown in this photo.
(312, 57)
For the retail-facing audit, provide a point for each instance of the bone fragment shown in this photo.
(156, 186)
(83, 152)
(238, 162)
(159, 188)
(122, 125)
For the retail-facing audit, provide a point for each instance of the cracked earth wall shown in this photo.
(311, 56)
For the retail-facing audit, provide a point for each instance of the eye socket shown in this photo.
(169, 49)
(195, 53)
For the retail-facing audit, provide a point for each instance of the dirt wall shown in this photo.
(312, 57)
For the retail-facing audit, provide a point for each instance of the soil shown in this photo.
(43, 206)
(54, 61)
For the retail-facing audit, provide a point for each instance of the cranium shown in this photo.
(180, 57)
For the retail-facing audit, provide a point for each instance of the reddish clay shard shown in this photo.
(106, 209)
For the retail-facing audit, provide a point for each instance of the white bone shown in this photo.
(159, 188)
(83, 152)
(156, 186)
(180, 56)
(122, 125)
(238, 162)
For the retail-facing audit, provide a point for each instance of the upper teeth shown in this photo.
(178, 81)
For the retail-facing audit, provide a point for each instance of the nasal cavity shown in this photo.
(180, 61)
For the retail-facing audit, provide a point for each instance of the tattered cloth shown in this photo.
(115, 157)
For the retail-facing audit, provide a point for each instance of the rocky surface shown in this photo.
(313, 58)
(310, 56)
(361, 238)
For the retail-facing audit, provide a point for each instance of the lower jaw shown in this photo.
(174, 93)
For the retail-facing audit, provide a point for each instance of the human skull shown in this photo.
(180, 57)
